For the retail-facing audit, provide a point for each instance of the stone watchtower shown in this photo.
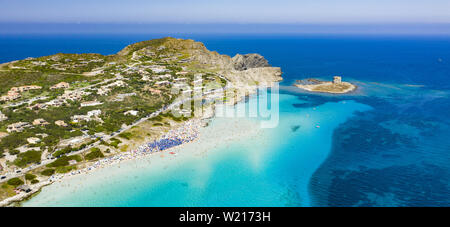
(337, 80)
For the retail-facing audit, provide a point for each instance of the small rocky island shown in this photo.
(335, 87)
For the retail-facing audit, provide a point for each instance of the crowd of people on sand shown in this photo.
(183, 134)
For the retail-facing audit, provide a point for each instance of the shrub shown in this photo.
(48, 172)
(30, 176)
(115, 142)
(28, 157)
(14, 152)
(94, 154)
(125, 135)
(76, 158)
(95, 149)
(34, 181)
(15, 182)
(65, 169)
(64, 161)
(102, 142)
(66, 150)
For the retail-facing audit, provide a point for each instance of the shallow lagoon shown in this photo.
(395, 154)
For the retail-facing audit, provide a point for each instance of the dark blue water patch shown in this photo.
(405, 136)
(294, 128)
(306, 105)
(395, 155)
(426, 184)
(314, 100)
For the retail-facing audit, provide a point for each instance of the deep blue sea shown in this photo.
(392, 149)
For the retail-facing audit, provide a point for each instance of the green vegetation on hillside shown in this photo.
(94, 154)
(15, 182)
(97, 96)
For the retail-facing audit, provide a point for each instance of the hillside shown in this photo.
(56, 109)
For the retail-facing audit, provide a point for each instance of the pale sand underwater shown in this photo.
(234, 162)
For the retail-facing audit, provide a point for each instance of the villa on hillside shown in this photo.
(33, 140)
(61, 123)
(154, 91)
(60, 85)
(73, 95)
(3, 117)
(17, 127)
(25, 88)
(91, 103)
(78, 118)
(181, 73)
(165, 76)
(132, 112)
(88, 117)
(162, 83)
(14, 92)
(107, 88)
(121, 97)
(40, 122)
(94, 113)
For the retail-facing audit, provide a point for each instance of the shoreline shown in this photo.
(135, 154)
(138, 153)
(199, 168)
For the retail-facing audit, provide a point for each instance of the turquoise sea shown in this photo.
(384, 145)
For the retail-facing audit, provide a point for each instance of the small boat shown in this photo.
(317, 126)
(173, 153)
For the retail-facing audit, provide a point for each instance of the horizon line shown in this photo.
(225, 28)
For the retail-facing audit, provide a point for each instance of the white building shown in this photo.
(165, 76)
(132, 112)
(94, 113)
(60, 85)
(40, 122)
(61, 123)
(17, 127)
(33, 140)
(3, 116)
(165, 82)
(145, 78)
(78, 118)
(91, 103)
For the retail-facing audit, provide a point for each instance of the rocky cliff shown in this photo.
(248, 61)
(241, 70)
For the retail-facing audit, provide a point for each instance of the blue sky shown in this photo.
(225, 11)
